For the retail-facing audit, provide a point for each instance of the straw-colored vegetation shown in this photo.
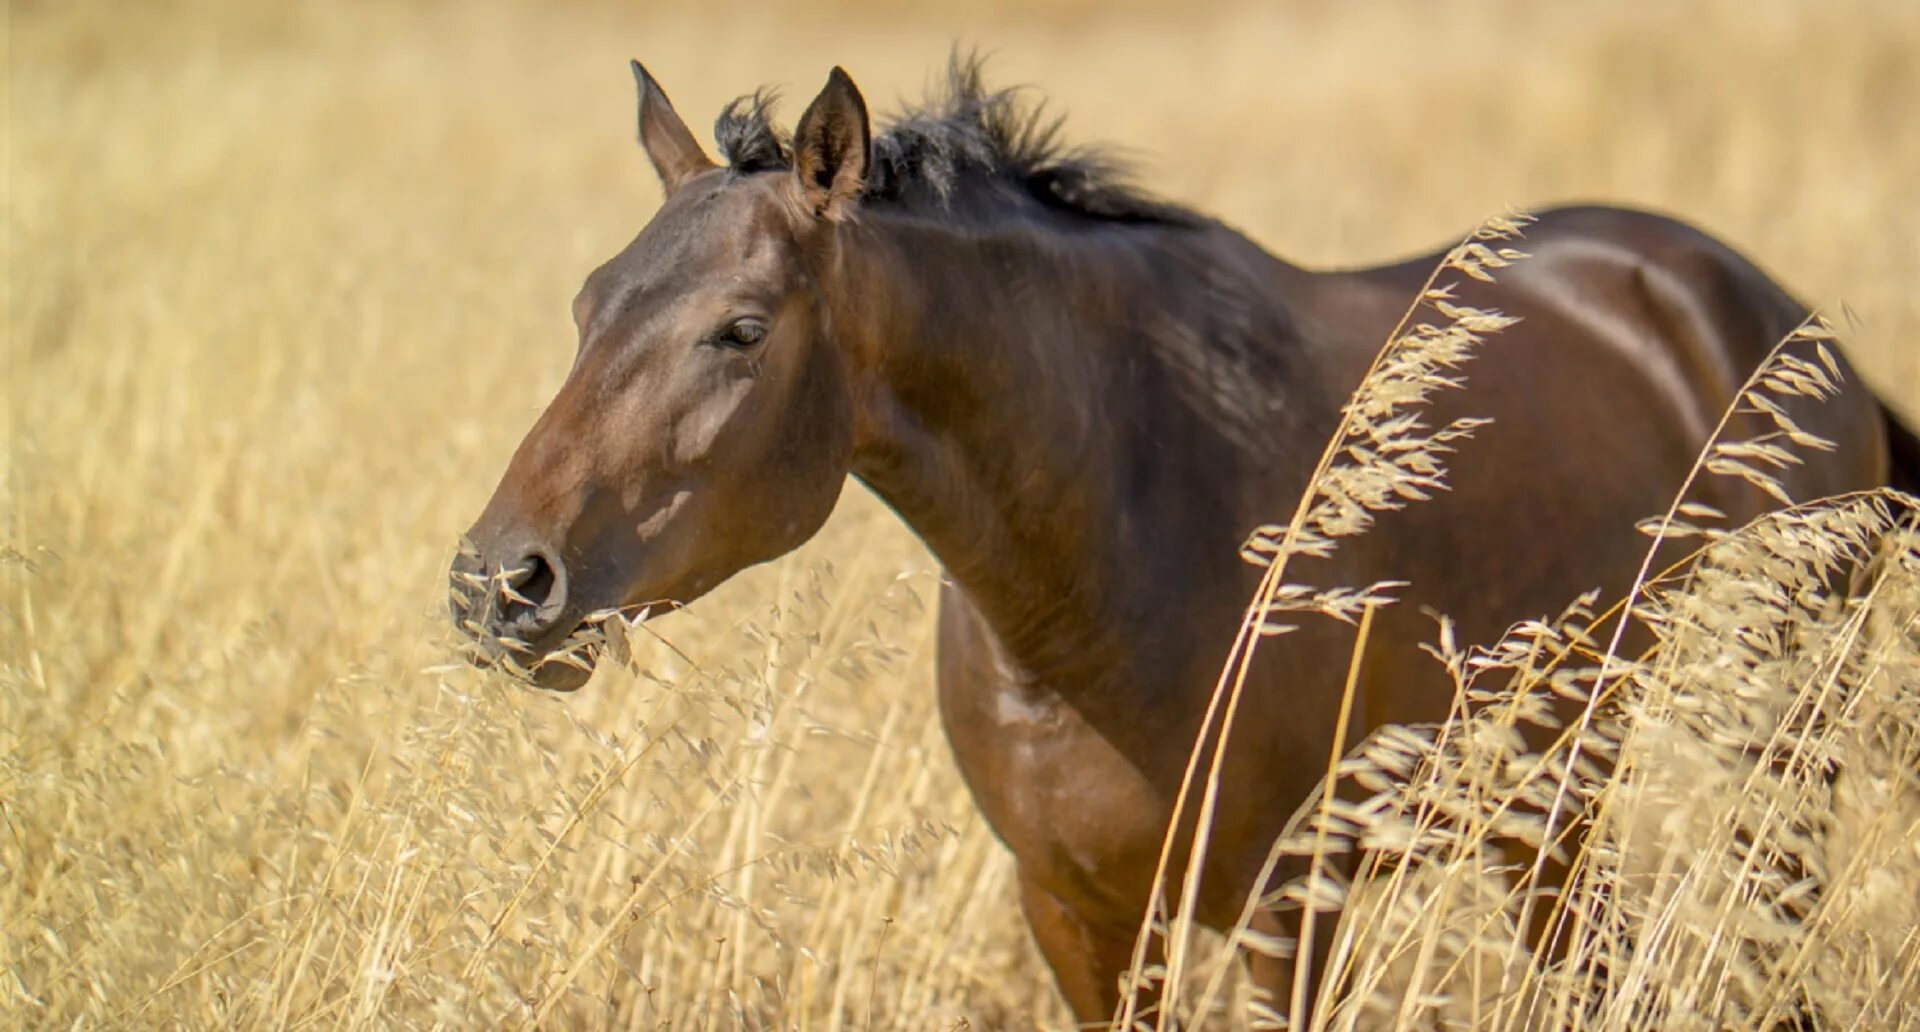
(285, 284)
(1739, 797)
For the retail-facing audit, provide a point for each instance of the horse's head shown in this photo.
(707, 422)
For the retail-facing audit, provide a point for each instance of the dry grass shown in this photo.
(1723, 833)
(285, 284)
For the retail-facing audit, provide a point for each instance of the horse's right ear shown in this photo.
(675, 154)
(832, 147)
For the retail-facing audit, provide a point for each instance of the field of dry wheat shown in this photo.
(286, 283)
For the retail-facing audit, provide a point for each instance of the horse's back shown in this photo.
(1661, 320)
(1636, 334)
(1708, 317)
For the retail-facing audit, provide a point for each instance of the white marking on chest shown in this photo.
(1014, 706)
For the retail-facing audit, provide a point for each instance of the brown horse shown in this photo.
(1083, 400)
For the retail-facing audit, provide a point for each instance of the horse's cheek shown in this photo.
(698, 435)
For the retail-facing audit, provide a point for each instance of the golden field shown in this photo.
(285, 284)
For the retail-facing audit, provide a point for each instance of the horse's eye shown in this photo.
(744, 333)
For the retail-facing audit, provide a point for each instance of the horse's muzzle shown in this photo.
(514, 613)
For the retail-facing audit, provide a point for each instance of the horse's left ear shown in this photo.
(832, 148)
(675, 154)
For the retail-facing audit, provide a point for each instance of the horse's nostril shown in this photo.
(513, 605)
(532, 582)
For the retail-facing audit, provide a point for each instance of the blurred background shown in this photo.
(286, 283)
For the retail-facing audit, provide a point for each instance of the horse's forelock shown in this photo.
(747, 136)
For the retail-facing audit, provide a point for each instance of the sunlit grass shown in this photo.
(285, 285)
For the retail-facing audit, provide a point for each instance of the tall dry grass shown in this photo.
(285, 284)
(1718, 829)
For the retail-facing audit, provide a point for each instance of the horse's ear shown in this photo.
(832, 148)
(675, 154)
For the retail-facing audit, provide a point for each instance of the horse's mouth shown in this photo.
(563, 662)
(557, 670)
(562, 677)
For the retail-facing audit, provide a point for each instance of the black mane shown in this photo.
(963, 132)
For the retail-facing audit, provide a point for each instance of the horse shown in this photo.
(1083, 398)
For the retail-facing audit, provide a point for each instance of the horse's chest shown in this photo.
(1078, 814)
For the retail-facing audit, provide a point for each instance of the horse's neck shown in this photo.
(1014, 418)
